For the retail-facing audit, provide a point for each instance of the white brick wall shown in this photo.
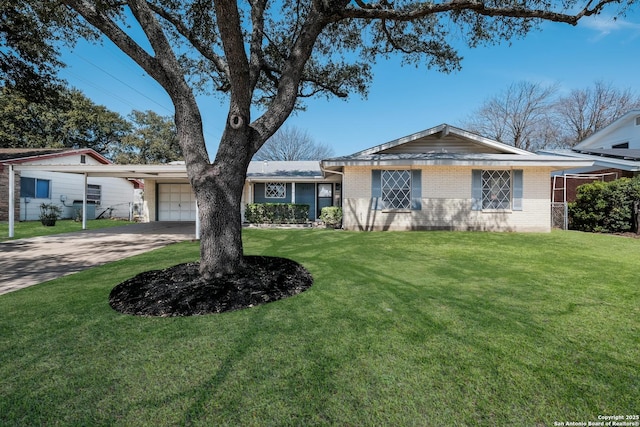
(446, 203)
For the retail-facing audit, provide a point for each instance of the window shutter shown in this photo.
(517, 190)
(416, 189)
(476, 190)
(376, 189)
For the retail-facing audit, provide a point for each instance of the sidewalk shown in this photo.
(26, 262)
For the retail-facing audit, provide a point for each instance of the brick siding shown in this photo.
(4, 194)
(446, 203)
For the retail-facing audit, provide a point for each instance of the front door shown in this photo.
(306, 195)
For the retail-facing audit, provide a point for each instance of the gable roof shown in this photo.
(448, 145)
(442, 139)
(595, 140)
(22, 155)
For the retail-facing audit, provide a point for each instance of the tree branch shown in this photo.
(256, 58)
(218, 62)
(228, 19)
(121, 39)
(425, 9)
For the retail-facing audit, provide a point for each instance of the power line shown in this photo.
(124, 83)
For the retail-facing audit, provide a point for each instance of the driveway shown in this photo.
(26, 262)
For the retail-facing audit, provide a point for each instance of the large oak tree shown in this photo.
(271, 54)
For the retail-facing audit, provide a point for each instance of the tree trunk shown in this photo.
(218, 188)
(219, 199)
(219, 196)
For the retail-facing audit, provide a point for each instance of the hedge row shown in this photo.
(606, 207)
(276, 213)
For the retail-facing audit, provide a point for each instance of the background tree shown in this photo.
(88, 125)
(291, 143)
(532, 116)
(273, 54)
(519, 116)
(66, 119)
(27, 64)
(583, 112)
(153, 139)
(30, 34)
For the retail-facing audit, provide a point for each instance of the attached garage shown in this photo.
(176, 202)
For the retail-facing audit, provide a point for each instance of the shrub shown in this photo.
(605, 206)
(331, 216)
(49, 214)
(276, 213)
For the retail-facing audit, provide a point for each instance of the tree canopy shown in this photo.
(71, 120)
(152, 140)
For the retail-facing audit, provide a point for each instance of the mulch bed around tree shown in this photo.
(179, 290)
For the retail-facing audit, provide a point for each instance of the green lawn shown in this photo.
(27, 229)
(399, 329)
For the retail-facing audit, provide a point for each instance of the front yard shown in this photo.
(424, 329)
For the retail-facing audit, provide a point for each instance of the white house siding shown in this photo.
(446, 203)
(115, 192)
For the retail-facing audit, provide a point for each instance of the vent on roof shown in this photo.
(623, 145)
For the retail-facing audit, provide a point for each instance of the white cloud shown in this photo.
(605, 26)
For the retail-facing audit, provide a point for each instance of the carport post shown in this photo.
(12, 200)
(84, 203)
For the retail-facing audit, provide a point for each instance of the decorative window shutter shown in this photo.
(517, 189)
(476, 190)
(416, 189)
(376, 190)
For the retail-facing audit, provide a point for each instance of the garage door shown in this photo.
(176, 202)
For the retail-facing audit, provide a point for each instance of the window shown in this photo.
(94, 193)
(275, 190)
(35, 188)
(497, 190)
(638, 121)
(396, 189)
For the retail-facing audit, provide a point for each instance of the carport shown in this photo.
(174, 173)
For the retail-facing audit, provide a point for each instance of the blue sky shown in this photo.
(402, 100)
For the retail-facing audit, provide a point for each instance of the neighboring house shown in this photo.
(35, 184)
(614, 151)
(445, 178)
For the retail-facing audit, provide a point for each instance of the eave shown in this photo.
(476, 160)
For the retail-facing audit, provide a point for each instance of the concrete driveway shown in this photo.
(26, 262)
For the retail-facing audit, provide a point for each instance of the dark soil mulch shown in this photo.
(179, 290)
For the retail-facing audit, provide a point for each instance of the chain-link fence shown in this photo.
(559, 214)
